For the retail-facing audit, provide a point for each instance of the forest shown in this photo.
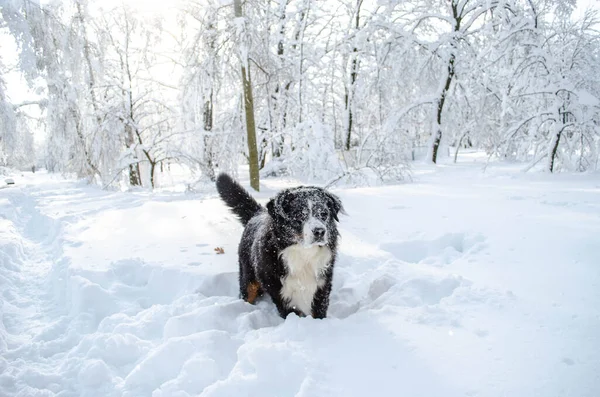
(326, 91)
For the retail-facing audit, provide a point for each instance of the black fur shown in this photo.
(236, 197)
(268, 232)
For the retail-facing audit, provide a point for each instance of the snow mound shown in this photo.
(441, 251)
(123, 294)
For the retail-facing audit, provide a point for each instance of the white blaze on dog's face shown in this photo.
(314, 230)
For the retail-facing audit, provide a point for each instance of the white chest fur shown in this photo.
(305, 266)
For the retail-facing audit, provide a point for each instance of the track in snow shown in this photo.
(456, 285)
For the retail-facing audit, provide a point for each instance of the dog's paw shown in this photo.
(296, 312)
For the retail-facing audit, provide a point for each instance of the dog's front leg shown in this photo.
(320, 302)
(273, 287)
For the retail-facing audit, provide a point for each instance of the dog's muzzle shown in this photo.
(315, 232)
(319, 234)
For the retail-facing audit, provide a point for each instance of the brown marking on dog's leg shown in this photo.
(253, 291)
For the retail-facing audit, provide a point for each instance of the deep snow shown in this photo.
(462, 283)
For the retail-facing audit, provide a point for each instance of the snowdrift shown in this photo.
(458, 284)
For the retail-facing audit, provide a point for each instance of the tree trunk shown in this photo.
(249, 110)
(562, 118)
(208, 112)
(152, 169)
(135, 178)
(134, 169)
(440, 108)
(304, 18)
(208, 167)
(349, 95)
(91, 85)
(553, 150)
(208, 101)
(437, 138)
(91, 170)
(282, 89)
(458, 146)
(134, 175)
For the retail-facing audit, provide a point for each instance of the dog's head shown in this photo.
(305, 215)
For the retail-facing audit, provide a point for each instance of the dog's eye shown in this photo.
(297, 216)
(323, 215)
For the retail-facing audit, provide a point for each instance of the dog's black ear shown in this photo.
(271, 207)
(335, 206)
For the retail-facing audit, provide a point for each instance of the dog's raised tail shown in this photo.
(237, 198)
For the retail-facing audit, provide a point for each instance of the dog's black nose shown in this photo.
(319, 232)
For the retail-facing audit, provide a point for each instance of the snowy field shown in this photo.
(461, 283)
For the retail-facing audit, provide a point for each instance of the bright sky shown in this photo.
(582, 5)
(17, 89)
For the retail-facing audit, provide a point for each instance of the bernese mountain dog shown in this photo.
(287, 249)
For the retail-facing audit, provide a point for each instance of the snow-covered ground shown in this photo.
(458, 284)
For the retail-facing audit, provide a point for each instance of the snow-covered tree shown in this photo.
(343, 88)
